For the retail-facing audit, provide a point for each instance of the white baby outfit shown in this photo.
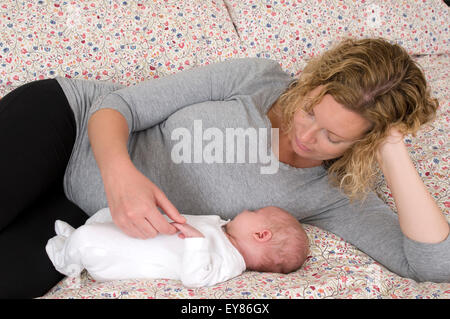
(107, 253)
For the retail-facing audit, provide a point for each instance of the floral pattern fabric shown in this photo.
(293, 31)
(110, 40)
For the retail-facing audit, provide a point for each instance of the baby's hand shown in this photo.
(187, 231)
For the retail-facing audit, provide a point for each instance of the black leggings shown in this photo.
(37, 134)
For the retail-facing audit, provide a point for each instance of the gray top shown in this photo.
(218, 98)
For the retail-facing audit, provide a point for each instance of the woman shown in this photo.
(345, 114)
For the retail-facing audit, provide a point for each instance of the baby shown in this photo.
(207, 250)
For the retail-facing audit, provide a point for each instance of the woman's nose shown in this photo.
(308, 135)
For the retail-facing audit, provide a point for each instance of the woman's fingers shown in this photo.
(132, 230)
(134, 207)
(148, 225)
(157, 220)
(145, 229)
(164, 203)
(131, 227)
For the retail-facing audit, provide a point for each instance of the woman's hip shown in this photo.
(37, 135)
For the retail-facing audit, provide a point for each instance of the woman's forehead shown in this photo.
(339, 120)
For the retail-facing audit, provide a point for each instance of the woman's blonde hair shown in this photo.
(375, 79)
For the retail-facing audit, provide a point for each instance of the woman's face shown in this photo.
(327, 131)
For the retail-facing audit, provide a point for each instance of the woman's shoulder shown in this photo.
(254, 67)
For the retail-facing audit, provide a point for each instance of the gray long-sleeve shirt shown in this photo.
(179, 126)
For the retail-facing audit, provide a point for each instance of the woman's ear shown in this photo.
(262, 235)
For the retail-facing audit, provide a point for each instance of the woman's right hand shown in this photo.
(133, 200)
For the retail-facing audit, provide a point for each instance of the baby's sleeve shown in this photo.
(200, 266)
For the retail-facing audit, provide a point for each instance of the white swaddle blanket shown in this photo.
(107, 253)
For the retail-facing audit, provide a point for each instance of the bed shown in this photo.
(130, 41)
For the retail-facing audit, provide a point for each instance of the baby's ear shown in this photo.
(262, 235)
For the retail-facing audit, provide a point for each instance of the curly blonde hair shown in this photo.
(374, 78)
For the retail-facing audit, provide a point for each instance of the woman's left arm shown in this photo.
(413, 243)
(419, 216)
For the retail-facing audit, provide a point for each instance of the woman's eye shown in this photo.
(334, 142)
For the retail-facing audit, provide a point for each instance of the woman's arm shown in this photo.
(419, 216)
(150, 102)
(108, 134)
(413, 243)
(132, 198)
(374, 228)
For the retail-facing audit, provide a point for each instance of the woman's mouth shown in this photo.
(301, 146)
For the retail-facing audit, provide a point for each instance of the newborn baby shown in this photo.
(206, 251)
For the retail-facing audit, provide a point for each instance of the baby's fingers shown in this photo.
(178, 226)
(187, 230)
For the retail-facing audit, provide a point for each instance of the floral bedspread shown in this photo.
(334, 269)
(130, 41)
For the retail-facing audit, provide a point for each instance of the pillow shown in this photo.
(121, 41)
(292, 31)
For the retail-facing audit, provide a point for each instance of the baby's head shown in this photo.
(270, 239)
